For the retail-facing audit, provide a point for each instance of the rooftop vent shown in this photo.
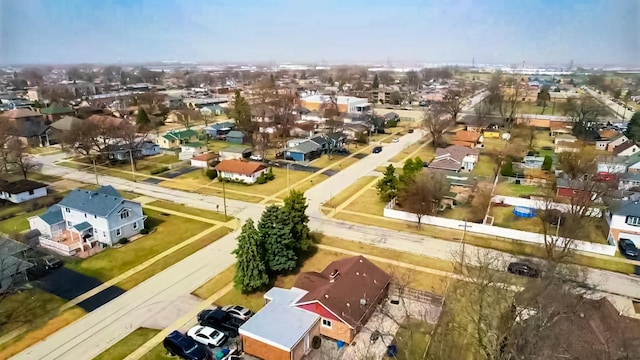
(357, 273)
(334, 274)
(326, 296)
(363, 302)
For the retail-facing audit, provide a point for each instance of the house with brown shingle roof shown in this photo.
(467, 138)
(455, 158)
(344, 295)
(627, 149)
(240, 170)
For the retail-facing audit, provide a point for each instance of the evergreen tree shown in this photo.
(388, 186)
(633, 127)
(295, 205)
(142, 119)
(276, 229)
(251, 268)
(331, 80)
(272, 80)
(241, 112)
(410, 169)
(547, 163)
(507, 168)
(376, 81)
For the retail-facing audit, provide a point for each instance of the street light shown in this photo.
(464, 233)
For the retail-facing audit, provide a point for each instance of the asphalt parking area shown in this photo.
(170, 175)
(69, 284)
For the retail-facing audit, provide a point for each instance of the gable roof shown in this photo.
(178, 135)
(19, 113)
(235, 134)
(99, 203)
(335, 136)
(20, 186)
(53, 215)
(455, 152)
(626, 208)
(467, 136)
(622, 147)
(205, 157)
(236, 150)
(320, 140)
(66, 123)
(30, 128)
(242, 167)
(56, 109)
(305, 147)
(357, 279)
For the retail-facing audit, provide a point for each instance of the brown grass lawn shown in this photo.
(492, 145)
(157, 353)
(216, 283)
(409, 150)
(170, 231)
(270, 188)
(198, 186)
(458, 213)
(543, 138)
(351, 190)
(212, 215)
(368, 203)
(336, 163)
(484, 167)
(217, 145)
(162, 159)
(508, 189)
(127, 345)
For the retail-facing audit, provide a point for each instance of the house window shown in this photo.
(118, 232)
(124, 213)
(326, 323)
(67, 210)
(135, 225)
(633, 220)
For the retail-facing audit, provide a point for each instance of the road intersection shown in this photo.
(100, 329)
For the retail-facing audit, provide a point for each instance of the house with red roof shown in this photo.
(240, 170)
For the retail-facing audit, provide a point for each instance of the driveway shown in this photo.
(69, 284)
(170, 175)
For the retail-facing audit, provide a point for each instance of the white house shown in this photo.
(85, 217)
(202, 160)
(189, 150)
(22, 190)
(240, 170)
(626, 149)
(235, 152)
(624, 221)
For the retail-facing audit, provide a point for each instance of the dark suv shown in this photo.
(523, 269)
(220, 320)
(185, 347)
(628, 248)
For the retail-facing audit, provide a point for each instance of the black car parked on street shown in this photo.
(523, 269)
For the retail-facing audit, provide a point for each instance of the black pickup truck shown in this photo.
(220, 320)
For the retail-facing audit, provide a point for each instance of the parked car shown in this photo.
(207, 336)
(238, 311)
(410, 131)
(256, 157)
(377, 149)
(220, 320)
(628, 248)
(523, 269)
(395, 140)
(185, 347)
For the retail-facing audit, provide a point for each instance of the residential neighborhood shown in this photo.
(170, 193)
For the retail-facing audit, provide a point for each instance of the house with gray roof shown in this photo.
(304, 151)
(455, 158)
(14, 268)
(623, 218)
(295, 327)
(85, 219)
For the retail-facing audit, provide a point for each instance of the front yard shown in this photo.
(170, 230)
(336, 162)
(129, 344)
(344, 195)
(211, 215)
(368, 203)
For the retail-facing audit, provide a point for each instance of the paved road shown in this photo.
(95, 332)
(617, 109)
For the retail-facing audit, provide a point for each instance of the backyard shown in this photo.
(485, 166)
(18, 223)
(211, 215)
(507, 188)
(170, 230)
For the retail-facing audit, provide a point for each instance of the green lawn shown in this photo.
(126, 346)
(457, 213)
(170, 231)
(336, 162)
(412, 339)
(485, 166)
(163, 159)
(508, 189)
(217, 145)
(212, 215)
(216, 283)
(157, 353)
(19, 223)
(28, 308)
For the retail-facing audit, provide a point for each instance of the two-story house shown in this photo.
(623, 218)
(174, 139)
(86, 217)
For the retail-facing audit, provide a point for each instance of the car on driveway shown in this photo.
(238, 311)
(256, 157)
(628, 248)
(185, 347)
(220, 320)
(207, 336)
(523, 269)
(49, 262)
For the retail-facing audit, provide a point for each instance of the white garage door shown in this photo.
(633, 237)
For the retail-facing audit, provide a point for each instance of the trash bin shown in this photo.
(392, 351)
(340, 344)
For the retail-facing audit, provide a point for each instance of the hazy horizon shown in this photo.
(286, 31)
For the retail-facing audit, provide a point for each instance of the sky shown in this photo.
(334, 31)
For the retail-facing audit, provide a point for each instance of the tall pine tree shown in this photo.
(142, 119)
(241, 112)
(295, 205)
(251, 268)
(276, 232)
(376, 81)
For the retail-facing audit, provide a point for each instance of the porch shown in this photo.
(77, 241)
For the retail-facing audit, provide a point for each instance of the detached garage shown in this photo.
(291, 340)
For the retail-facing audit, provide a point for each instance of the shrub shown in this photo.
(262, 179)
(211, 174)
(123, 241)
(270, 175)
(144, 231)
(159, 170)
(507, 168)
(391, 123)
(547, 163)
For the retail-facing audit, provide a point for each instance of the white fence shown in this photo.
(538, 204)
(493, 230)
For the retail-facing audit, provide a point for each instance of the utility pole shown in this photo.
(464, 233)
(133, 168)
(288, 184)
(224, 200)
(95, 170)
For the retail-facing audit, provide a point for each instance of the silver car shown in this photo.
(238, 311)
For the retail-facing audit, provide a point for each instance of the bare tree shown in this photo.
(509, 103)
(482, 111)
(284, 106)
(436, 122)
(423, 194)
(525, 132)
(81, 137)
(331, 111)
(6, 137)
(453, 104)
(480, 202)
(584, 115)
(20, 158)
